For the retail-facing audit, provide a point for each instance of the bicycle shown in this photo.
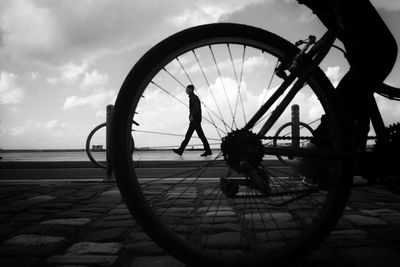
(242, 207)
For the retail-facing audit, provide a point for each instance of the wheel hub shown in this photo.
(242, 146)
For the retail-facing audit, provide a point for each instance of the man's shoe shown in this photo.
(177, 151)
(206, 153)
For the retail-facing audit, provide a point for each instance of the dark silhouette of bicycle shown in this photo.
(242, 207)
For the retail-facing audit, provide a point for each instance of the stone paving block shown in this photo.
(96, 260)
(34, 240)
(343, 224)
(393, 219)
(18, 251)
(7, 229)
(113, 234)
(380, 212)
(224, 240)
(367, 205)
(321, 257)
(217, 220)
(49, 229)
(26, 217)
(386, 234)
(75, 221)
(218, 228)
(159, 261)
(138, 236)
(19, 261)
(144, 248)
(56, 205)
(348, 232)
(371, 256)
(75, 214)
(360, 220)
(118, 217)
(348, 241)
(119, 211)
(4, 216)
(114, 224)
(88, 248)
(42, 197)
(112, 192)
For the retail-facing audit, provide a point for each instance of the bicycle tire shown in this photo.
(128, 182)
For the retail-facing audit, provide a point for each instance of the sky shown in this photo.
(62, 62)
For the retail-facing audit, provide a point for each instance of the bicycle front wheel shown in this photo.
(204, 210)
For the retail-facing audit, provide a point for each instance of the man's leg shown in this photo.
(188, 135)
(203, 138)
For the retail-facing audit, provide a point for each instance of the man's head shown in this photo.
(190, 89)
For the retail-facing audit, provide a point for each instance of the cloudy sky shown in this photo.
(62, 62)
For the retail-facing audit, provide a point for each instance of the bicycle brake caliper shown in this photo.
(298, 58)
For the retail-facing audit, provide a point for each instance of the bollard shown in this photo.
(110, 177)
(295, 132)
(295, 126)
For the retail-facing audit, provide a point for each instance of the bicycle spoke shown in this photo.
(239, 83)
(222, 82)
(211, 92)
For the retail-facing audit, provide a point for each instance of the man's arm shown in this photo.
(195, 108)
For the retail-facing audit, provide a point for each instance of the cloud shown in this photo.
(200, 12)
(93, 79)
(10, 91)
(70, 73)
(35, 75)
(27, 28)
(86, 30)
(389, 5)
(30, 128)
(96, 100)
(334, 75)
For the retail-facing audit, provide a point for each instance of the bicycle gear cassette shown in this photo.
(241, 145)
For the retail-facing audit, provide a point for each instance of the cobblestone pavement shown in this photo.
(87, 224)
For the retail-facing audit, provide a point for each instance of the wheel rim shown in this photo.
(188, 205)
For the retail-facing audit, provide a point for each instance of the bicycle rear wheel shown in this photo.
(201, 210)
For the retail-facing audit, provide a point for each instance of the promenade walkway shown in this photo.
(85, 223)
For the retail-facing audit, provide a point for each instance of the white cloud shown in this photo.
(96, 100)
(334, 75)
(200, 12)
(70, 73)
(10, 91)
(30, 128)
(35, 75)
(93, 79)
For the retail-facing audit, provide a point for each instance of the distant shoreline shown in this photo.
(83, 150)
(40, 150)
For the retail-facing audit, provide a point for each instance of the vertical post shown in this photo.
(296, 131)
(295, 126)
(109, 111)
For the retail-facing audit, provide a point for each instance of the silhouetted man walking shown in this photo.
(195, 123)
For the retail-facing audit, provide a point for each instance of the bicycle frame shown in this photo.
(302, 66)
(304, 63)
